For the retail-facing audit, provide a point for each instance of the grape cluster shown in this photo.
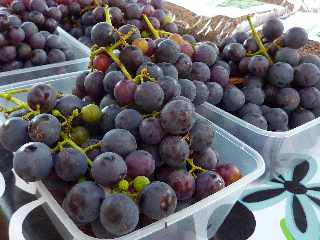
(28, 35)
(262, 79)
(79, 16)
(127, 164)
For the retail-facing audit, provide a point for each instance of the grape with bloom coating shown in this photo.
(174, 151)
(277, 119)
(128, 119)
(151, 131)
(42, 95)
(300, 117)
(288, 99)
(124, 92)
(208, 183)
(295, 37)
(93, 84)
(200, 71)
(70, 164)
(220, 75)
(182, 183)
(188, 89)
(169, 70)
(167, 51)
(288, 55)
(258, 65)
(272, 28)
(32, 161)
(102, 34)
(215, 93)
(140, 163)
(68, 103)
(17, 129)
(202, 92)
(119, 141)
(310, 97)
(171, 88)
(109, 114)
(256, 119)
(201, 136)
(119, 215)
(280, 74)
(183, 65)
(177, 117)
(205, 53)
(83, 202)
(108, 169)
(233, 98)
(206, 159)
(157, 200)
(306, 75)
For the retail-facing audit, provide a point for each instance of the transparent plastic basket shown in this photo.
(80, 62)
(198, 221)
(280, 150)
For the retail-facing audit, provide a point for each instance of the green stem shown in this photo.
(92, 147)
(119, 63)
(285, 230)
(256, 36)
(151, 28)
(194, 168)
(108, 17)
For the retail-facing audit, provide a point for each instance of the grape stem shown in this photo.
(108, 17)
(92, 147)
(154, 114)
(262, 49)
(194, 168)
(154, 31)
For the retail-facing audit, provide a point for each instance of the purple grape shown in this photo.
(215, 93)
(220, 75)
(288, 55)
(188, 89)
(207, 184)
(272, 28)
(306, 75)
(280, 74)
(258, 65)
(288, 99)
(234, 52)
(93, 84)
(205, 53)
(182, 183)
(201, 136)
(233, 98)
(254, 95)
(277, 119)
(206, 159)
(42, 95)
(140, 163)
(202, 93)
(295, 37)
(310, 97)
(167, 51)
(300, 117)
(128, 119)
(249, 108)
(257, 120)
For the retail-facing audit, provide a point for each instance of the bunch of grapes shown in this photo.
(79, 16)
(28, 35)
(263, 79)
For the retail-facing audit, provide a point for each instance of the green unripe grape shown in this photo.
(91, 113)
(79, 135)
(123, 185)
(140, 182)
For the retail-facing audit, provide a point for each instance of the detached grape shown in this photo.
(229, 172)
(208, 183)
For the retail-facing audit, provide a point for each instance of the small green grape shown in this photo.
(79, 135)
(123, 185)
(140, 182)
(91, 113)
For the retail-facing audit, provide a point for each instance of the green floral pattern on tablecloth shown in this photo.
(243, 4)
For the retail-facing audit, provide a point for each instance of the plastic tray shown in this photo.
(280, 150)
(198, 221)
(79, 63)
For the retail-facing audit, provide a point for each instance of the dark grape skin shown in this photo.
(244, 65)
(18, 7)
(56, 55)
(109, 114)
(202, 135)
(272, 29)
(189, 38)
(119, 214)
(140, 163)
(288, 55)
(241, 36)
(220, 75)
(254, 95)
(233, 98)
(93, 153)
(258, 65)
(132, 58)
(150, 131)
(249, 108)
(149, 96)
(70, 164)
(234, 52)
(16, 35)
(12, 66)
(93, 84)
(133, 11)
(38, 5)
(3, 40)
(50, 25)
(44, 128)
(80, 80)
(36, 17)
(256, 119)
(54, 41)
(167, 51)
(171, 88)
(174, 151)
(288, 99)
(207, 184)
(280, 74)
(111, 79)
(215, 93)
(251, 45)
(171, 27)
(43, 95)
(124, 29)
(158, 4)
(157, 200)
(229, 172)
(24, 51)
(102, 34)
(55, 13)
(295, 37)
(306, 75)
(300, 117)
(309, 59)
(128, 119)
(200, 71)
(188, 89)
(39, 57)
(107, 100)
(83, 202)
(37, 41)
(205, 53)
(124, 92)
(108, 169)
(271, 94)
(76, 32)
(13, 133)
(32, 161)
(202, 93)
(207, 159)
(119, 141)
(277, 119)
(183, 65)
(310, 97)
(68, 103)
(117, 16)
(7, 53)
(182, 183)
(153, 70)
(177, 117)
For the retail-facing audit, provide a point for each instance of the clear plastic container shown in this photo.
(280, 150)
(198, 221)
(80, 62)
